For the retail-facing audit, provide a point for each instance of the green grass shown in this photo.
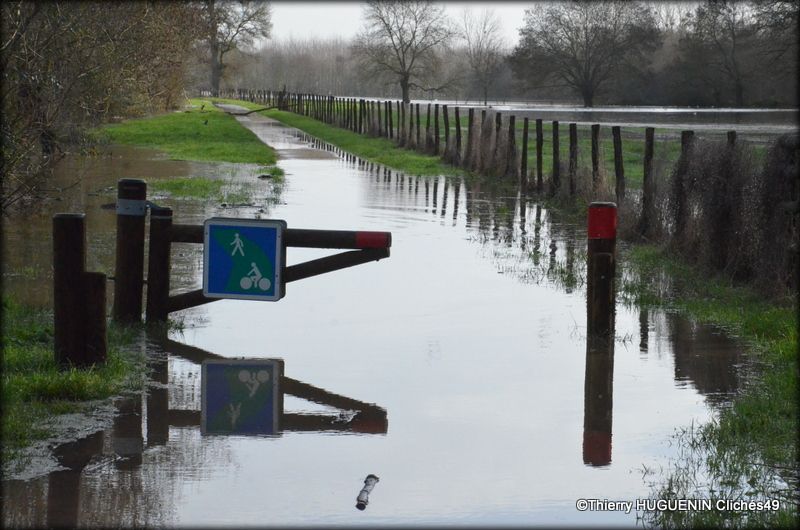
(33, 386)
(380, 150)
(193, 134)
(753, 441)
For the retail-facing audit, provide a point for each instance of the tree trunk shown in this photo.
(216, 70)
(404, 86)
(588, 97)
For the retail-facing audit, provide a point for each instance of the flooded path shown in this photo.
(467, 336)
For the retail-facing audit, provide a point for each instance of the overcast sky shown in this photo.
(330, 19)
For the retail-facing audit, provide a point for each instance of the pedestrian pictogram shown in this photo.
(243, 259)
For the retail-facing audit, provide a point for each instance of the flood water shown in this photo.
(497, 410)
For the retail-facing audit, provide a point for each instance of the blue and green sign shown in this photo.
(243, 259)
(241, 396)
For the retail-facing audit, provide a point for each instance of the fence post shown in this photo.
(436, 150)
(555, 181)
(602, 237)
(94, 290)
(648, 186)
(523, 170)
(158, 267)
(511, 156)
(69, 262)
(446, 120)
(596, 158)
(573, 156)
(679, 184)
(428, 137)
(457, 152)
(619, 168)
(419, 146)
(470, 137)
(539, 157)
(129, 271)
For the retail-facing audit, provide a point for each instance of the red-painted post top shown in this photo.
(373, 239)
(602, 220)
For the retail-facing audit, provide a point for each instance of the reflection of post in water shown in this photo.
(435, 192)
(537, 234)
(63, 486)
(570, 244)
(444, 198)
(126, 436)
(597, 400)
(158, 401)
(456, 193)
(469, 205)
(416, 185)
(644, 330)
(427, 194)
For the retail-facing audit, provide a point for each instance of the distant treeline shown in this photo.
(716, 54)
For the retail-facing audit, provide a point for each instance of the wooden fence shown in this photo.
(497, 145)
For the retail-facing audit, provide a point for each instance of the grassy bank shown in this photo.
(380, 150)
(33, 387)
(200, 132)
(752, 447)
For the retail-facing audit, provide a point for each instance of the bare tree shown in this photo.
(401, 38)
(583, 45)
(231, 26)
(69, 65)
(484, 47)
(722, 35)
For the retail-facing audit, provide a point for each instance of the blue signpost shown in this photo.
(243, 259)
(241, 396)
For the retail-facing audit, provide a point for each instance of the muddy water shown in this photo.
(471, 336)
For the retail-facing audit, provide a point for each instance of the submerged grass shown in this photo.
(201, 132)
(750, 452)
(34, 388)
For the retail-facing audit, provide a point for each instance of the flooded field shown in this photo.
(498, 412)
(743, 120)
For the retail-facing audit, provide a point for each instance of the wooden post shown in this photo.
(619, 168)
(457, 153)
(679, 183)
(390, 118)
(601, 256)
(420, 147)
(436, 150)
(511, 157)
(401, 133)
(555, 182)
(498, 124)
(428, 137)
(470, 138)
(596, 158)
(446, 120)
(731, 138)
(94, 303)
(648, 186)
(129, 270)
(69, 262)
(158, 269)
(573, 157)
(539, 146)
(523, 170)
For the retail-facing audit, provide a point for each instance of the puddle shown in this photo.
(497, 411)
